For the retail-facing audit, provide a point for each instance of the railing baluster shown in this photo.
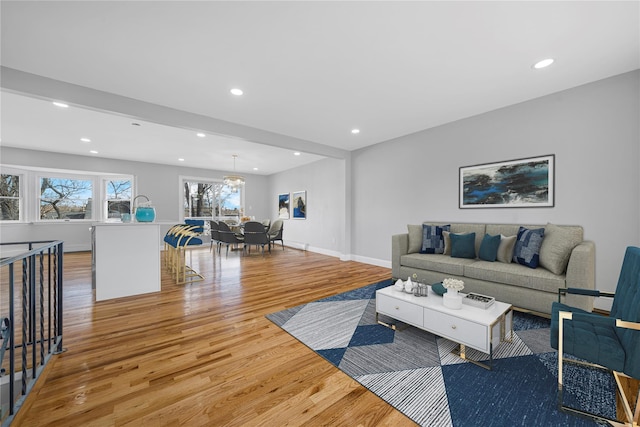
(41, 257)
(25, 325)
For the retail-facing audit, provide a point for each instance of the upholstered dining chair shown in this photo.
(215, 235)
(609, 342)
(255, 234)
(275, 232)
(227, 236)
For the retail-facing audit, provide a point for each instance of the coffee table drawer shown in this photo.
(400, 310)
(459, 330)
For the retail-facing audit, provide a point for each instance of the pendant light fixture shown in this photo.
(234, 181)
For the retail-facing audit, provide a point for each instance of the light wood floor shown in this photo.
(204, 354)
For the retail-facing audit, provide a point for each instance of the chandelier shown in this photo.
(234, 181)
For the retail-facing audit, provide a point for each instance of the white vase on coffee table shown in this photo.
(452, 299)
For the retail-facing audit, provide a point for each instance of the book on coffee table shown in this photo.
(478, 300)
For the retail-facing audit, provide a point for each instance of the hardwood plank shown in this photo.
(203, 354)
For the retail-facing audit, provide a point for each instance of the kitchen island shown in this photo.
(126, 259)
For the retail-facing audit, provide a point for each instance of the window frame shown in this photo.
(104, 182)
(30, 177)
(182, 180)
(21, 195)
(64, 175)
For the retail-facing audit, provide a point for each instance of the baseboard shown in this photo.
(372, 261)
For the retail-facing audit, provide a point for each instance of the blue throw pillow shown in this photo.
(489, 247)
(527, 249)
(463, 245)
(432, 241)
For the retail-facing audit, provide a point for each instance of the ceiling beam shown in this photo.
(45, 88)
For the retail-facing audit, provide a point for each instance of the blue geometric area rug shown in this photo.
(415, 372)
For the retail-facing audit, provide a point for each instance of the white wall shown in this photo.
(159, 182)
(324, 229)
(593, 130)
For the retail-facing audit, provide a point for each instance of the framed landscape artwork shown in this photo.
(521, 183)
(283, 206)
(299, 204)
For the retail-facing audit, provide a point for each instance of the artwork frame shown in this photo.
(299, 204)
(283, 205)
(519, 183)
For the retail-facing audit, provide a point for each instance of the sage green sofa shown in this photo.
(566, 260)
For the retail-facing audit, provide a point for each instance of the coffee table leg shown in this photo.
(390, 325)
(461, 352)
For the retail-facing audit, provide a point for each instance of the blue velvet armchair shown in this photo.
(610, 342)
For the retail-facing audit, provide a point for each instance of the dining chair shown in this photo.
(275, 232)
(228, 237)
(215, 235)
(255, 234)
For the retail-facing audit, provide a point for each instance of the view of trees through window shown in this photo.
(118, 194)
(207, 199)
(66, 198)
(9, 197)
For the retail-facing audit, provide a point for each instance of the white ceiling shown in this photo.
(310, 71)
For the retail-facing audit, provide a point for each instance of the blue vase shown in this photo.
(145, 214)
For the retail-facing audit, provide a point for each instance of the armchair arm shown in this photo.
(586, 292)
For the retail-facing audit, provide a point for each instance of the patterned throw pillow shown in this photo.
(527, 249)
(432, 241)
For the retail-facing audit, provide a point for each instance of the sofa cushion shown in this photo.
(415, 238)
(504, 229)
(557, 245)
(446, 235)
(489, 247)
(505, 249)
(436, 262)
(515, 274)
(527, 249)
(463, 245)
(432, 241)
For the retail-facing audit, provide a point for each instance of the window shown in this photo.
(10, 201)
(211, 199)
(118, 197)
(66, 198)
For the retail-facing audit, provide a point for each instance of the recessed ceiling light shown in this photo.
(255, 169)
(93, 152)
(297, 153)
(542, 64)
(85, 140)
(355, 131)
(60, 104)
(181, 160)
(236, 91)
(200, 135)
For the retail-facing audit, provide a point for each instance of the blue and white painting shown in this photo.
(515, 183)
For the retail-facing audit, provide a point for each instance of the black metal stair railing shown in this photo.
(31, 313)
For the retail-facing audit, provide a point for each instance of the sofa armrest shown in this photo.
(399, 247)
(581, 273)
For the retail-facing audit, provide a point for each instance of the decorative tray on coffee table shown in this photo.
(478, 300)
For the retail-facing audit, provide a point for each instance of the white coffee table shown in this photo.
(478, 328)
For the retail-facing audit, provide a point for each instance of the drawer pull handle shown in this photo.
(453, 326)
(397, 308)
